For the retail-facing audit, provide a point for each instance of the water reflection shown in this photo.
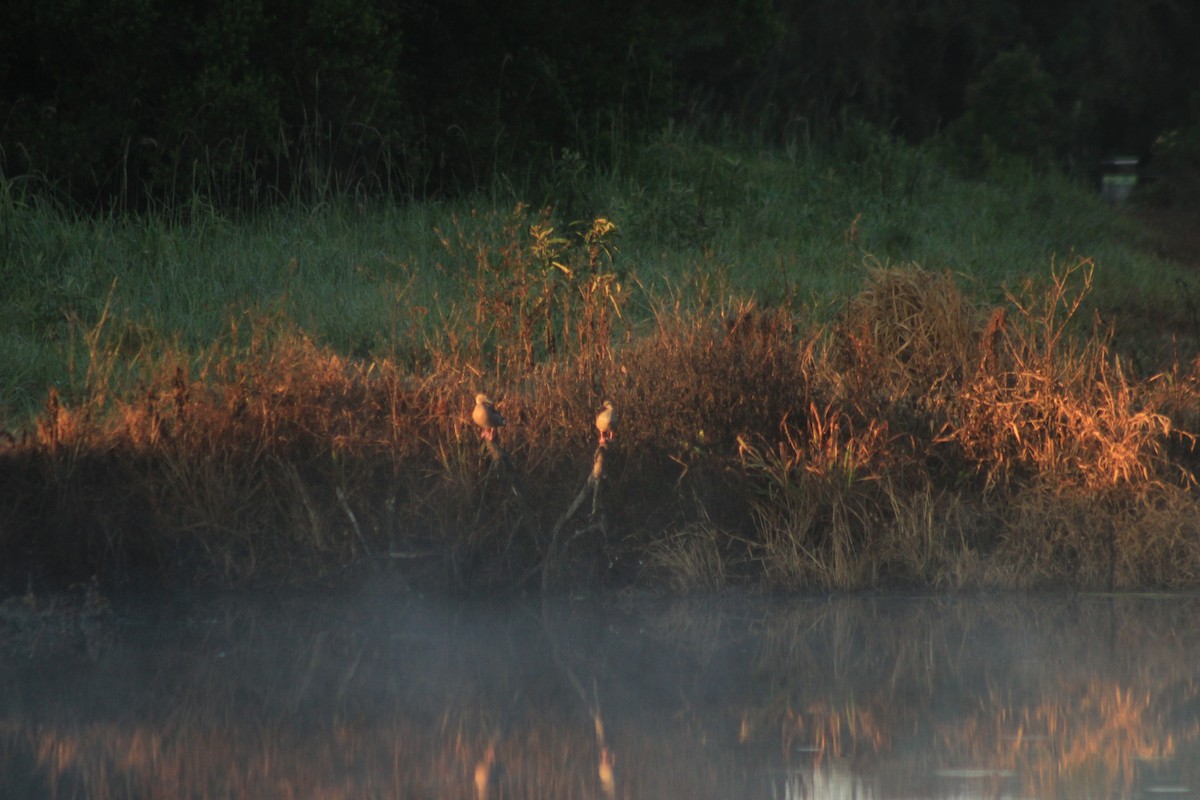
(381, 695)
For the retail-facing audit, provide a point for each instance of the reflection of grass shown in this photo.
(386, 699)
(348, 760)
(1023, 688)
(1076, 743)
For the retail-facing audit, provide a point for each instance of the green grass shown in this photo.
(281, 395)
(696, 220)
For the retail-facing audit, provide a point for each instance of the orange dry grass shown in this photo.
(1081, 475)
(1039, 401)
(916, 439)
(907, 334)
(1013, 390)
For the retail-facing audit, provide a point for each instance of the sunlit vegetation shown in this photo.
(280, 399)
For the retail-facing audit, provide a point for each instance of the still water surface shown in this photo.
(384, 695)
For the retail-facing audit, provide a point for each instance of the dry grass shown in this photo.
(1044, 402)
(917, 439)
(966, 446)
(696, 558)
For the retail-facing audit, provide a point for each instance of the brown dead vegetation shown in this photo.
(918, 439)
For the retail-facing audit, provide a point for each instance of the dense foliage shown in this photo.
(130, 102)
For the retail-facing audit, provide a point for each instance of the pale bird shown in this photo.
(606, 422)
(486, 416)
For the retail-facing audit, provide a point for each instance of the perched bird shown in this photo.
(486, 417)
(606, 422)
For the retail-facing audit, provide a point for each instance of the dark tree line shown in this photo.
(139, 102)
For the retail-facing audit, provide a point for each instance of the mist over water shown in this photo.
(382, 694)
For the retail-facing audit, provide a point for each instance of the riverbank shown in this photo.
(824, 381)
(916, 438)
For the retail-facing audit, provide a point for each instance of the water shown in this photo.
(384, 695)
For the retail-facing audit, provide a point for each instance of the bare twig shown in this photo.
(341, 496)
(597, 520)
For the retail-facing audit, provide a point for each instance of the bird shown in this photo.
(606, 422)
(486, 416)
